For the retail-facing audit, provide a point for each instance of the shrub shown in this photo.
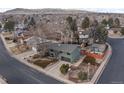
(64, 68)
(36, 56)
(115, 32)
(90, 60)
(8, 38)
(82, 75)
(85, 22)
(14, 40)
(9, 25)
(122, 31)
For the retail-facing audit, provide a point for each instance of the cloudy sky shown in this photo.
(66, 4)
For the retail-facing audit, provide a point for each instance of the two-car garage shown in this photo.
(65, 59)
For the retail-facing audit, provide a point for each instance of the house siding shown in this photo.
(75, 55)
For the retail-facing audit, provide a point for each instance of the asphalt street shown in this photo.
(18, 73)
(114, 71)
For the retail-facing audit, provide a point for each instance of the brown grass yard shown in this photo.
(43, 63)
(19, 49)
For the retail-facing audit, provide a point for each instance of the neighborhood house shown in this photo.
(64, 52)
(34, 42)
(96, 51)
(85, 37)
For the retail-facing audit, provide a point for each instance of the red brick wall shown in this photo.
(98, 56)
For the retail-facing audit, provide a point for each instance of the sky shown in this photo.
(64, 4)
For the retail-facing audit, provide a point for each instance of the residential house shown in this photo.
(85, 37)
(21, 35)
(33, 42)
(96, 50)
(20, 26)
(64, 52)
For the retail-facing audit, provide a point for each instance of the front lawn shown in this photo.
(43, 62)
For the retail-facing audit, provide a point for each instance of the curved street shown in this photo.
(18, 73)
(113, 73)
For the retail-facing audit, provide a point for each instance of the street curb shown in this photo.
(116, 37)
(5, 45)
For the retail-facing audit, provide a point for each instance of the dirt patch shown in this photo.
(19, 49)
(7, 33)
(84, 68)
(44, 63)
(41, 61)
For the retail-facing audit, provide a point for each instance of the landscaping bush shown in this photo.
(64, 68)
(115, 32)
(122, 31)
(8, 38)
(90, 60)
(82, 75)
(36, 56)
(14, 40)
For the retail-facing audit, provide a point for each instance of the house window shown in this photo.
(68, 53)
(60, 52)
(51, 50)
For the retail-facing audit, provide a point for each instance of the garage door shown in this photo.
(65, 59)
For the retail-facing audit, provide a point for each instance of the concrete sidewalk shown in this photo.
(115, 36)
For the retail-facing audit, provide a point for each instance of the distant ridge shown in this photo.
(44, 11)
(63, 11)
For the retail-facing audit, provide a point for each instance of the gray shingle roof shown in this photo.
(101, 47)
(63, 47)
